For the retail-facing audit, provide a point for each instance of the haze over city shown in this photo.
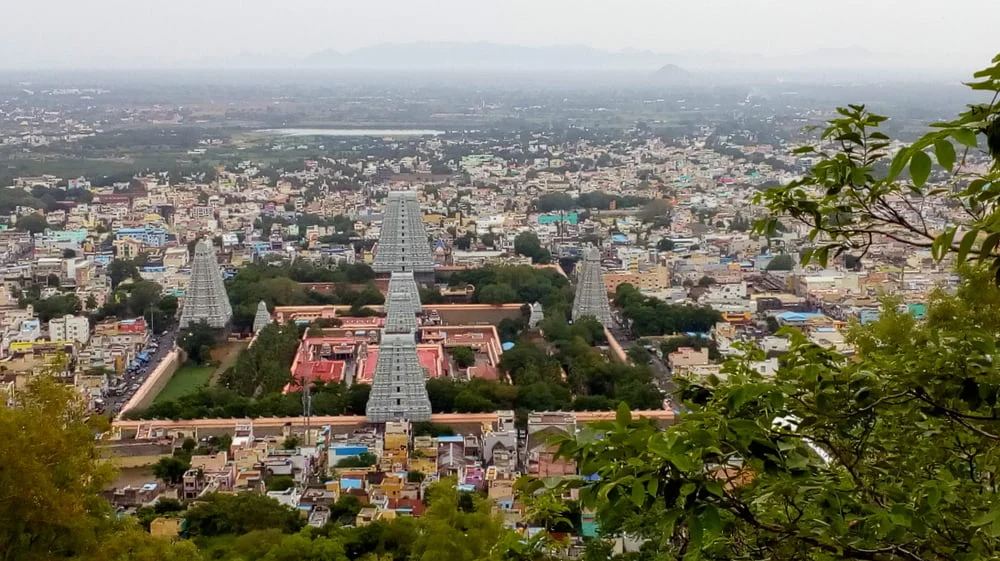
(189, 33)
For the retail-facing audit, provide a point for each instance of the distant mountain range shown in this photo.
(493, 56)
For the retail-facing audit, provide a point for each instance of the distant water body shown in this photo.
(350, 132)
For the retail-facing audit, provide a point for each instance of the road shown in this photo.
(664, 378)
(131, 381)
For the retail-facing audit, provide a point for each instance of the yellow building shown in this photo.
(169, 528)
(366, 516)
(657, 278)
(424, 456)
(391, 486)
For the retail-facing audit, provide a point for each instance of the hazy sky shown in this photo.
(69, 33)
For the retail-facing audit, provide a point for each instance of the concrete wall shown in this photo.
(616, 349)
(156, 381)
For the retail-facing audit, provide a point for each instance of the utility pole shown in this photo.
(307, 391)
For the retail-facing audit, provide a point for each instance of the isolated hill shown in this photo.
(673, 74)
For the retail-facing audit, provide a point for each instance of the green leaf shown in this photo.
(638, 494)
(901, 516)
(990, 243)
(711, 522)
(945, 153)
(696, 529)
(714, 487)
(966, 137)
(624, 415)
(859, 176)
(942, 244)
(899, 162)
(738, 398)
(822, 255)
(920, 168)
(933, 496)
(659, 446)
(966, 245)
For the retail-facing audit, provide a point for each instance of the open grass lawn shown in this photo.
(187, 379)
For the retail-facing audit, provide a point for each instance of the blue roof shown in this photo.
(349, 450)
(799, 316)
(450, 439)
(140, 231)
(348, 483)
(507, 346)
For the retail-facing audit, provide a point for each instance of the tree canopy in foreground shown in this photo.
(888, 454)
(891, 454)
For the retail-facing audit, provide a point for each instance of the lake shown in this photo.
(350, 132)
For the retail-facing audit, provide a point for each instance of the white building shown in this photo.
(70, 328)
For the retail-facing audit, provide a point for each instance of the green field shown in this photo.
(187, 379)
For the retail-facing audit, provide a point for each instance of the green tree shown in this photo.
(346, 508)
(57, 306)
(357, 398)
(665, 244)
(197, 341)
(168, 306)
(464, 242)
(119, 270)
(782, 262)
(497, 294)
(549, 202)
(639, 355)
(171, 469)
(452, 532)
(651, 316)
(363, 459)
(220, 514)
(528, 245)
(464, 356)
(280, 483)
(33, 223)
(265, 366)
(657, 210)
(129, 542)
(142, 295)
(883, 455)
(51, 475)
